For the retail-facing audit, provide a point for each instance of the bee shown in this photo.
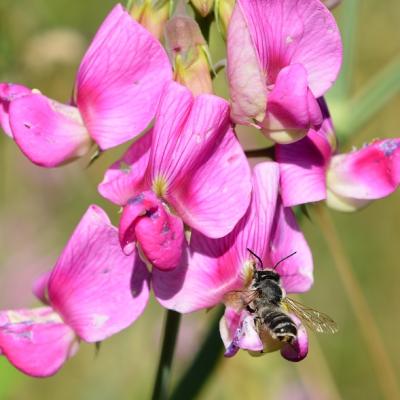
(266, 300)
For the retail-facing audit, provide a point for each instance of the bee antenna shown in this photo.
(256, 256)
(283, 259)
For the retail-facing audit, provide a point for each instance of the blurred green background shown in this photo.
(41, 43)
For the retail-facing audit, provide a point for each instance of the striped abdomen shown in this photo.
(280, 324)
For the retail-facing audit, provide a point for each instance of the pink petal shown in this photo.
(161, 237)
(40, 287)
(286, 237)
(247, 337)
(48, 133)
(216, 193)
(295, 32)
(247, 83)
(121, 79)
(186, 131)
(97, 290)
(159, 233)
(345, 204)
(196, 163)
(292, 109)
(253, 231)
(125, 177)
(136, 207)
(303, 166)
(36, 341)
(238, 331)
(8, 93)
(299, 349)
(216, 266)
(370, 173)
(202, 278)
(228, 326)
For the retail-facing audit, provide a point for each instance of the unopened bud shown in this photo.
(189, 54)
(152, 14)
(203, 6)
(135, 8)
(223, 12)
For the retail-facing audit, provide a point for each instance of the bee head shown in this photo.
(264, 275)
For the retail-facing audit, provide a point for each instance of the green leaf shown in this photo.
(371, 98)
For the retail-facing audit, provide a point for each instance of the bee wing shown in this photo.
(239, 299)
(313, 319)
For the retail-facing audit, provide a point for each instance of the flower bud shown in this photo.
(152, 14)
(203, 6)
(189, 54)
(223, 10)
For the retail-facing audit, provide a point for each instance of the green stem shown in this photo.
(203, 365)
(161, 386)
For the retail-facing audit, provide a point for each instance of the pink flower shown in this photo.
(118, 87)
(282, 55)
(93, 292)
(310, 171)
(216, 267)
(8, 93)
(355, 179)
(189, 169)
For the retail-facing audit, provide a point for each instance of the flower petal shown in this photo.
(238, 331)
(303, 166)
(345, 204)
(370, 173)
(186, 130)
(299, 349)
(228, 325)
(247, 84)
(36, 341)
(40, 287)
(121, 79)
(8, 93)
(292, 109)
(247, 337)
(216, 192)
(124, 178)
(253, 231)
(161, 238)
(295, 32)
(136, 207)
(216, 266)
(201, 279)
(48, 133)
(286, 237)
(96, 289)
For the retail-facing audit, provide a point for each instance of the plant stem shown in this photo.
(161, 386)
(369, 330)
(203, 365)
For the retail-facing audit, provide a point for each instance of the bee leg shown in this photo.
(257, 321)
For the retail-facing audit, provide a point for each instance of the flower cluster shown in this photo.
(191, 206)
